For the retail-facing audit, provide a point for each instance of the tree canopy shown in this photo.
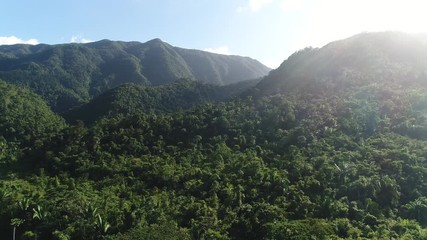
(336, 157)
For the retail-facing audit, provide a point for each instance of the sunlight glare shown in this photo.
(335, 19)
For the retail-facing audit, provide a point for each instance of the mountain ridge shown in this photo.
(357, 60)
(67, 75)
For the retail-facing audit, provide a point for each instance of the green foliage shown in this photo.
(162, 231)
(345, 161)
(367, 58)
(39, 213)
(301, 229)
(24, 117)
(101, 225)
(131, 99)
(245, 169)
(68, 75)
(16, 222)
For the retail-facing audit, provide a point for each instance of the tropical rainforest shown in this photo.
(330, 145)
(68, 75)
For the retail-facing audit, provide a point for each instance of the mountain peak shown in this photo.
(380, 57)
(155, 41)
(67, 75)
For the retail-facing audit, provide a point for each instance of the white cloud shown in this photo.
(220, 50)
(79, 39)
(10, 40)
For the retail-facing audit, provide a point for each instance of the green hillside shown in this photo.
(131, 99)
(24, 115)
(68, 75)
(25, 121)
(368, 58)
(331, 145)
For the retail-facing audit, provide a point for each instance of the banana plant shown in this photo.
(24, 204)
(91, 211)
(40, 213)
(101, 224)
(4, 194)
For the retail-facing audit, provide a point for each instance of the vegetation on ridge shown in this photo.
(69, 75)
(131, 99)
(335, 157)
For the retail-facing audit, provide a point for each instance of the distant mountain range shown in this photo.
(68, 75)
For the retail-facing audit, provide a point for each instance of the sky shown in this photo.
(267, 30)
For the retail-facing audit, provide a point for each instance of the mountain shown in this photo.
(331, 145)
(68, 75)
(367, 58)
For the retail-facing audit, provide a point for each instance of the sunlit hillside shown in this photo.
(330, 145)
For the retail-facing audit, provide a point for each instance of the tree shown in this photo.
(16, 222)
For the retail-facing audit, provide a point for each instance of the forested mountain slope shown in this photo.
(331, 151)
(131, 99)
(367, 58)
(25, 116)
(68, 75)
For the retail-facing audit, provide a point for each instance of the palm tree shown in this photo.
(418, 209)
(16, 222)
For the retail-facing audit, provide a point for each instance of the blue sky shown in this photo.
(267, 30)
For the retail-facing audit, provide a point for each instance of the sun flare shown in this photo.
(335, 19)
